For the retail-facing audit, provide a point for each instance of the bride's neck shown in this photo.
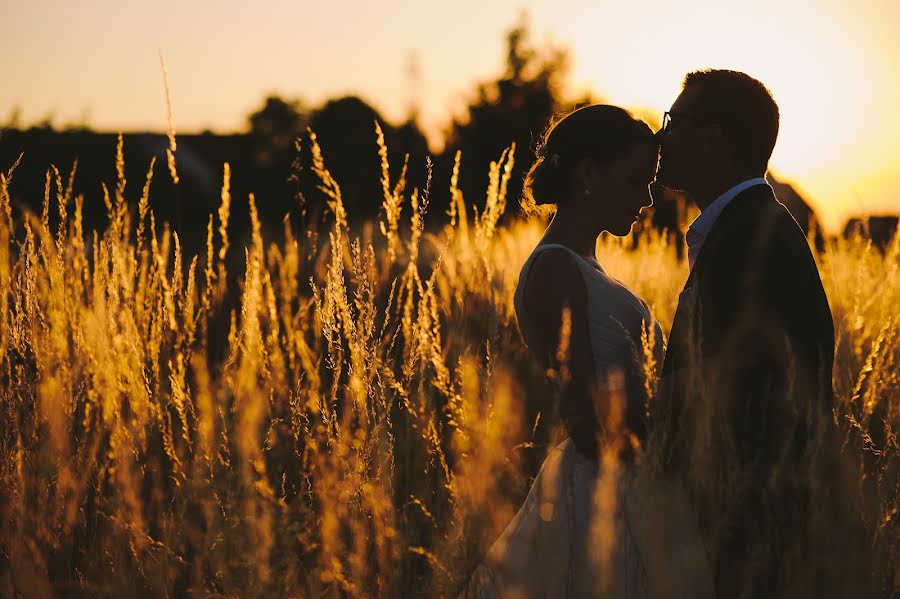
(571, 229)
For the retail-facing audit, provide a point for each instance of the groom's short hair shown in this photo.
(745, 110)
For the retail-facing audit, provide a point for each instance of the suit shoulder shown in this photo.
(761, 214)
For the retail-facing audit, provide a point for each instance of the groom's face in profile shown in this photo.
(684, 143)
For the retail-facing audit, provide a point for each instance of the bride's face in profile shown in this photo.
(620, 189)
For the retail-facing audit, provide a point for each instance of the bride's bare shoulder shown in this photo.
(554, 279)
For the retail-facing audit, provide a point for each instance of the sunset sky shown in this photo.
(833, 67)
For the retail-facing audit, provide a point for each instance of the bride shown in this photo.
(596, 522)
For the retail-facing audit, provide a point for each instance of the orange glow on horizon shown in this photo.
(832, 65)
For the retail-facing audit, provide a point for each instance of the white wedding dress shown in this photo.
(597, 530)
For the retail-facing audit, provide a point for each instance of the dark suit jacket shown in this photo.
(746, 387)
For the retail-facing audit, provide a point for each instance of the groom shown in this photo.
(746, 389)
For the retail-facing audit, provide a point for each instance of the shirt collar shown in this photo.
(703, 224)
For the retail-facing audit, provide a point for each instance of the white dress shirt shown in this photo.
(703, 224)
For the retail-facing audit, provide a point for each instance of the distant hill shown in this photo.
(200, 160)
(349, 146)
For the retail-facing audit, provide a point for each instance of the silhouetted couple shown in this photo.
(707, 477)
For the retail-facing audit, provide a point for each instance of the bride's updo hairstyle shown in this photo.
(601, 132)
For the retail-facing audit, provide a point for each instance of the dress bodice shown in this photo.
(640, 540)
(617, 320)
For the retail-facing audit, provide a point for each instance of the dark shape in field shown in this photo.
(880, 229)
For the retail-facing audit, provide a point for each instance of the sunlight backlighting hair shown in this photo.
(601, 132)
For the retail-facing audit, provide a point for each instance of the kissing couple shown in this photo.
(716, 475)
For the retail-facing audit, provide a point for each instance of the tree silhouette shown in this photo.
(273, 129)
(345, 131)
(514, 108)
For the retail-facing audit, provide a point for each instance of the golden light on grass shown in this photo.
(170, 119)
(373, 424)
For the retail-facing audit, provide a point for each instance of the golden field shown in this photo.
(353, 414)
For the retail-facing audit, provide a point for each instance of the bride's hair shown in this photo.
(601, 132)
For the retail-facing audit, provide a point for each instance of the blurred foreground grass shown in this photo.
(351, 414)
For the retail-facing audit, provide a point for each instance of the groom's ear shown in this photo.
(716, 132)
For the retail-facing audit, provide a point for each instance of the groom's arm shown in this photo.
(757, 322)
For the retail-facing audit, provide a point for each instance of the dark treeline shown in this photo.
(513, 107)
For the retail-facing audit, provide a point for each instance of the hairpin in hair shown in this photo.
(553, 158)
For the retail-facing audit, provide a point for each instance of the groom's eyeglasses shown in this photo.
(667, 120)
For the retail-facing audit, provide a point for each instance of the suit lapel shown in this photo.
(687, 299)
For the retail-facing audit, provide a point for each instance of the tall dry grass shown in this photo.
(348, 416)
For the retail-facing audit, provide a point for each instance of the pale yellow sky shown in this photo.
(832, 65)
